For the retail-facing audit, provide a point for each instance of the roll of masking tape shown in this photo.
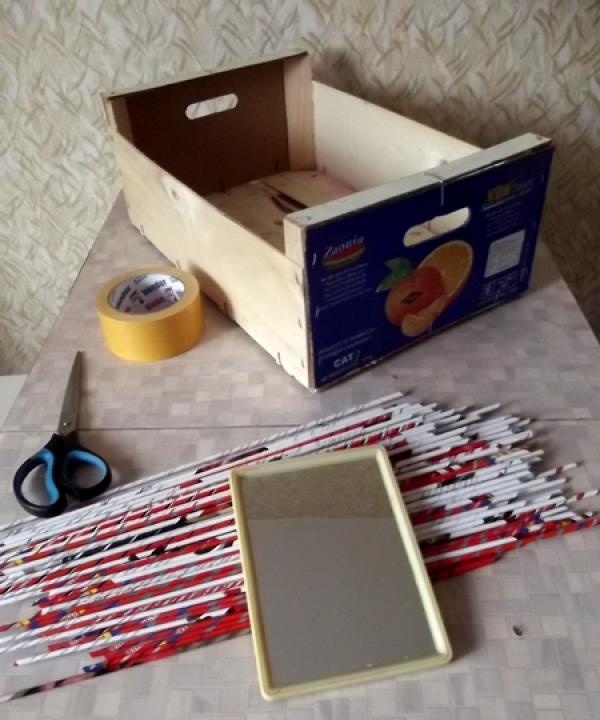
(151, 313)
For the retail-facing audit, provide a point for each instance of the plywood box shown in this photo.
(334, 232)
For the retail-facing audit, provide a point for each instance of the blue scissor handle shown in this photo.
(76, 458)
(56, 498)
(62, 457)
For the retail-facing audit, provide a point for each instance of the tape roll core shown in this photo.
(151, 313)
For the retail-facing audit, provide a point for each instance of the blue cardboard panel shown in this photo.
(370, 294)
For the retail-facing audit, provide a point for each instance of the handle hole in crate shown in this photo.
(439, 225)
(212, 106)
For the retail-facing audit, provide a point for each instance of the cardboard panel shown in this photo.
(369, 293)
(217, 151)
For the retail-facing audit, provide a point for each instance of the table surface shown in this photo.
(536, 355)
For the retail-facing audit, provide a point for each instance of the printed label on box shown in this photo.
(504, 253)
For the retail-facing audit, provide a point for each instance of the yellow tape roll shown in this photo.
(151, 313)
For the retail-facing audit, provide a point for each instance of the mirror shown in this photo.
(336, 585)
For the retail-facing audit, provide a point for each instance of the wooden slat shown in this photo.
(297, 78)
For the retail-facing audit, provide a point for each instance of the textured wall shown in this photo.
(484, 71)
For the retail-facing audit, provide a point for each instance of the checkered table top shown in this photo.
(536, 355)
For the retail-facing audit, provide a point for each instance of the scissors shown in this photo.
(66, 464)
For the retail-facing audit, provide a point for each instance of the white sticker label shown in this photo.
(504, 253)
(146, 293)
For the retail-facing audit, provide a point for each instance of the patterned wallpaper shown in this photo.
(482, 70)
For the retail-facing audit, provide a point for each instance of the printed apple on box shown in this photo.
(392, 275)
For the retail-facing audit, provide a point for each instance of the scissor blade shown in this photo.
(70, 407)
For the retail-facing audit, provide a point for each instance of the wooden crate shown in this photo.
(275, 189)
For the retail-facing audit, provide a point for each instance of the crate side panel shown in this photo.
(371, 294)
(248, 279)
(366, 145)
(219, 150)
